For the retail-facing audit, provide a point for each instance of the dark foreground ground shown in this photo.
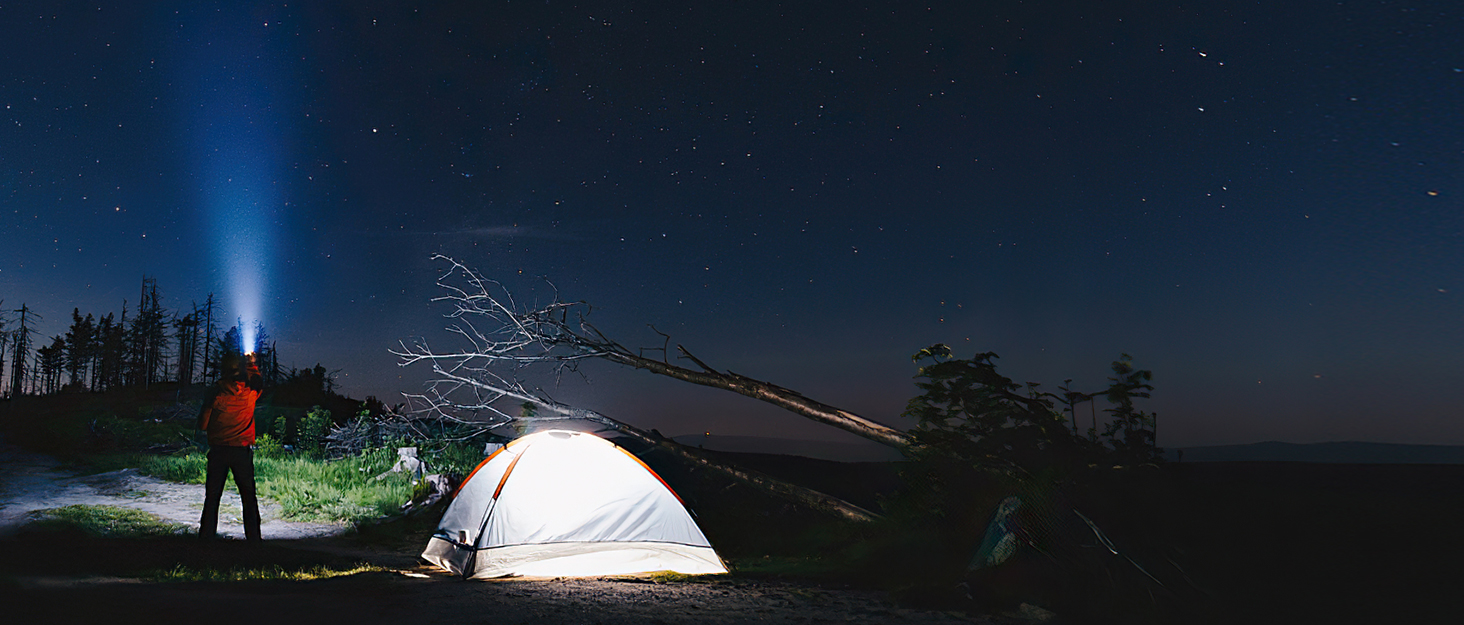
(1258, 542)
(1266, 542)
(56, 578)
(1323, 543)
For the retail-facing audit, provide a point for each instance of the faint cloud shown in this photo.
(486, 233)
(490, 232)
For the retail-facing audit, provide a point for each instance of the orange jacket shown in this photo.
(229, 417)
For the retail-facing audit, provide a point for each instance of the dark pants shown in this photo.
(221, 460)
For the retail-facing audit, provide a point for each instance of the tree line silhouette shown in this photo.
(143, 346)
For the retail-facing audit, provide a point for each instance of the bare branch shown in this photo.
(501, 341)
(525, 337)
(665, 341)
(686, 353)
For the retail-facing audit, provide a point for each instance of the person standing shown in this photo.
(228, 418)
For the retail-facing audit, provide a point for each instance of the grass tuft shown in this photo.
(275, 572)
(110, 521)
(187, 469)
(672, 577)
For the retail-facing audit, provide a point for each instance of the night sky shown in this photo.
(1261, 202)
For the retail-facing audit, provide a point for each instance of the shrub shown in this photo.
(458, 457)
(979, 438)
(280, 428)
(266, 446)
(313, 428)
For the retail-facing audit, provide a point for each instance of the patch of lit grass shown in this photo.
(310, 488)
(188, 468)
(338, 490)
(672, 577)
(110, 521)
(182, 573)
(307, 488)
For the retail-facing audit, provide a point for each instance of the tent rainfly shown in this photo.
(560, 503)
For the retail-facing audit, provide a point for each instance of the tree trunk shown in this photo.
(771, 393)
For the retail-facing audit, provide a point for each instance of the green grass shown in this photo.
(343, 490)
(672, 577)
(456, 458)
(86, 429)
(189, 468)
(108, 521)
(276, 572)
(309, 488)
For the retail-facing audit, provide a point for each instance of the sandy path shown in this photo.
(30, 482)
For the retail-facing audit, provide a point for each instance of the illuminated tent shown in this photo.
(560, 503)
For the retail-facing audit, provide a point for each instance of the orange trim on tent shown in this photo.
(507, 472)
(482, 464)
(652, 472)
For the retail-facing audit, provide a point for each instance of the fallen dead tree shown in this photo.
(488, 372)
(502, 337)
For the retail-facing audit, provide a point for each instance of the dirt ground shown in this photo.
(393, 597)
(31, 482)
(73, 579)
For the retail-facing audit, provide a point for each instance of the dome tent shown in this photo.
(561, 503)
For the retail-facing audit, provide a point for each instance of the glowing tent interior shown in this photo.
(561, 503)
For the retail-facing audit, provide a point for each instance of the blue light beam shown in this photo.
(242, 201)
(236, 136)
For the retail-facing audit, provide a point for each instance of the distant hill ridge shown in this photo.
(840, 451)
(1350, 452)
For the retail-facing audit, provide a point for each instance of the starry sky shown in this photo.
(1260, 202)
